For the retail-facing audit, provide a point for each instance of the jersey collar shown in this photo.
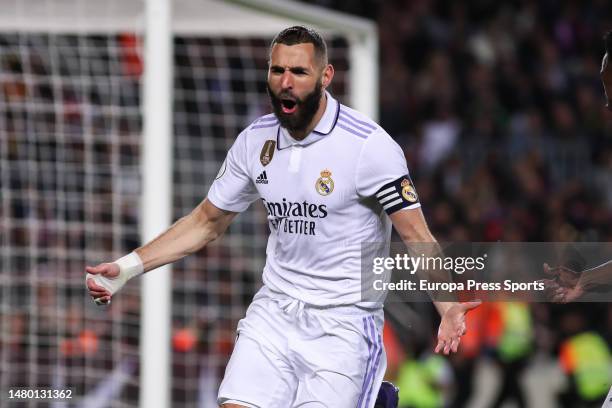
(329, 118)
(323, 128)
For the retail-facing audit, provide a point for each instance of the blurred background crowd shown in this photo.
(497, 105)
(500, 111)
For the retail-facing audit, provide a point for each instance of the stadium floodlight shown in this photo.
(73, 171)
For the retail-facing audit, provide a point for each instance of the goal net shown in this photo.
(71, 123)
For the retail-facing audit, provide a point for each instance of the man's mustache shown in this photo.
(288, 95)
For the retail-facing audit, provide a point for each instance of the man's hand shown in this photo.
(564, 285)
(606, 69)
(564, 294)
(564, 275)
(452, 326)
(99, 293)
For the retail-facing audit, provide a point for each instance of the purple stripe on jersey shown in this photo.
(370, 355)
(265, 125)
(370, 375)
(375, 369)
(361, 122)
(266, 118)
(355, 125)
(348, 129)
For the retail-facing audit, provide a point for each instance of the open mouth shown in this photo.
(288, 105)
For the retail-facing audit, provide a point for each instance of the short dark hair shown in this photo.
(302, 35)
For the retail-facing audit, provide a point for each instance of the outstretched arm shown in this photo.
(596, 277)
(568, 285)
(186, 236)
(606, 69)
(412, 228)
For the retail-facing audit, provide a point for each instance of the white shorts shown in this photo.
(289, 354)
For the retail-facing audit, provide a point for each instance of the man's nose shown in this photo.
(287, 80)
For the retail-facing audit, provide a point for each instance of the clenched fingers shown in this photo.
(96, 290)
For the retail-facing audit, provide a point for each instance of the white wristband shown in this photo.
(129, 267)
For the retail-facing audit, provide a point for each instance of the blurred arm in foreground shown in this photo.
(606, 69)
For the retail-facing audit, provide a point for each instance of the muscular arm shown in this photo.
(186, 236)
(411, 226)
(192, 232)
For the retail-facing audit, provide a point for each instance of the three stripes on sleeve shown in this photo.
(398, 194)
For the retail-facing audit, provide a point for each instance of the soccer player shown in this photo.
(330, 179)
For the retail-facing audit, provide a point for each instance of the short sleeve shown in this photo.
(382, 173)
(233, 189)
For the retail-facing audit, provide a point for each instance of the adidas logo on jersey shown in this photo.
(262, 179)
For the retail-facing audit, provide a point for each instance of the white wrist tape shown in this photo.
(129, 267)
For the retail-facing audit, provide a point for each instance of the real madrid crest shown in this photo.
(325, 184)
(267, 152)
(408, 191)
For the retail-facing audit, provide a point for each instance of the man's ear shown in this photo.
(328, 75)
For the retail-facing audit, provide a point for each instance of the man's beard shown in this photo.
(306, 108)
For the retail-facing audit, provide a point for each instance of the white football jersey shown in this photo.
(325, 195)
